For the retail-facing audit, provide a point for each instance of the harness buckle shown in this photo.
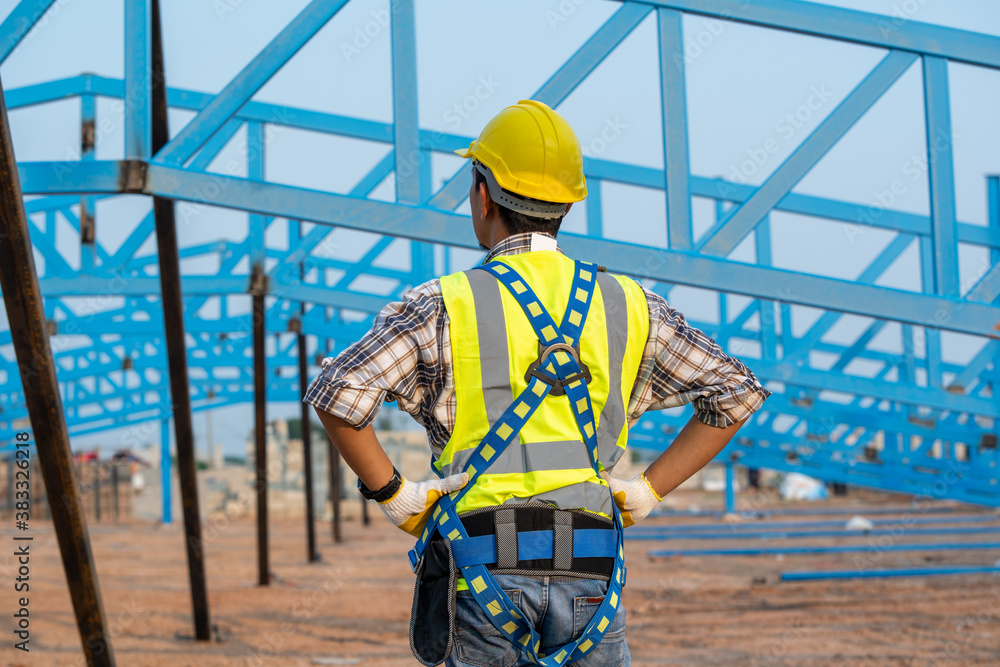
(558, 385)
(415, 562)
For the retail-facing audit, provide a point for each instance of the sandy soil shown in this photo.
(353, 607)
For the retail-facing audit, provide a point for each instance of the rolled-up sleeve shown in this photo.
(682, 365)
(390, 362)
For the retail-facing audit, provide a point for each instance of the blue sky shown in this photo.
(742, 83)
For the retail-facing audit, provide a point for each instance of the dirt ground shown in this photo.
(353, 607)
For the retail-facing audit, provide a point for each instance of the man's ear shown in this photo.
(484, 201)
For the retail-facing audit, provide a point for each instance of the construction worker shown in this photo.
(527, 372)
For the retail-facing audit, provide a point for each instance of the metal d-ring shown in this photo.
(558, 386)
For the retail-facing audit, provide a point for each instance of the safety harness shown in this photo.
(558, 371)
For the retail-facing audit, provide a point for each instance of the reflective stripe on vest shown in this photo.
(487, 328)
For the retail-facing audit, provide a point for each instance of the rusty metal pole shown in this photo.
(334, 457)
(114, 485)
(173, 320)
(307, 445)
(26, 317)
(260, 407)
(97, 486)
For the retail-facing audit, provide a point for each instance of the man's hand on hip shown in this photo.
(635, 498)
(410, 508)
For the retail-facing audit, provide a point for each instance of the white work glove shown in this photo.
(411, 505)
(635, 499)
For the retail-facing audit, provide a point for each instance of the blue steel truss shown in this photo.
(916, 424)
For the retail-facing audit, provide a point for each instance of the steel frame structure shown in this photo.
(919, 425)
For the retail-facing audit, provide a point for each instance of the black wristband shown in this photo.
(386, 492)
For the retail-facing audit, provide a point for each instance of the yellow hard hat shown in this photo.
(531, 151)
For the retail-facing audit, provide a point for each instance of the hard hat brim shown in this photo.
(464, 152)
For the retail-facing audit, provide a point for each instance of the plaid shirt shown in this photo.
(406, 357)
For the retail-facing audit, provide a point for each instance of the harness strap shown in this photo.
(560, 366)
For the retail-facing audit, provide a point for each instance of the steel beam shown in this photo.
(881, 30)
(26, 319)
(774, 551)
(882, 574)
(803, 534)
(685, 268)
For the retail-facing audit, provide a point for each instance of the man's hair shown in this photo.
(520, 223)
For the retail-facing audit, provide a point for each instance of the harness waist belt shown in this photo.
(536, 545)
(537, 539)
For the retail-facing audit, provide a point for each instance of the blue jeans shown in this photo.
(559, 608)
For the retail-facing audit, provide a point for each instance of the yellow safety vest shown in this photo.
(492, 346)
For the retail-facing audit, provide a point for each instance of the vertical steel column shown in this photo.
(993, 211)
(595, 215)
(97, 487)
(260, 435)
(307, 444)
(114, 486)
(88, 225)
(941, 176)
(730, 488)
(940, 251)
(676, 163)
(932, 337)
(26, 317)
(768, 337)
(259, 288)
(138, 80)
(413, 169)
(166, 464)
(334, 457)
(9, 494)
(173, 321)
(722, 339)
